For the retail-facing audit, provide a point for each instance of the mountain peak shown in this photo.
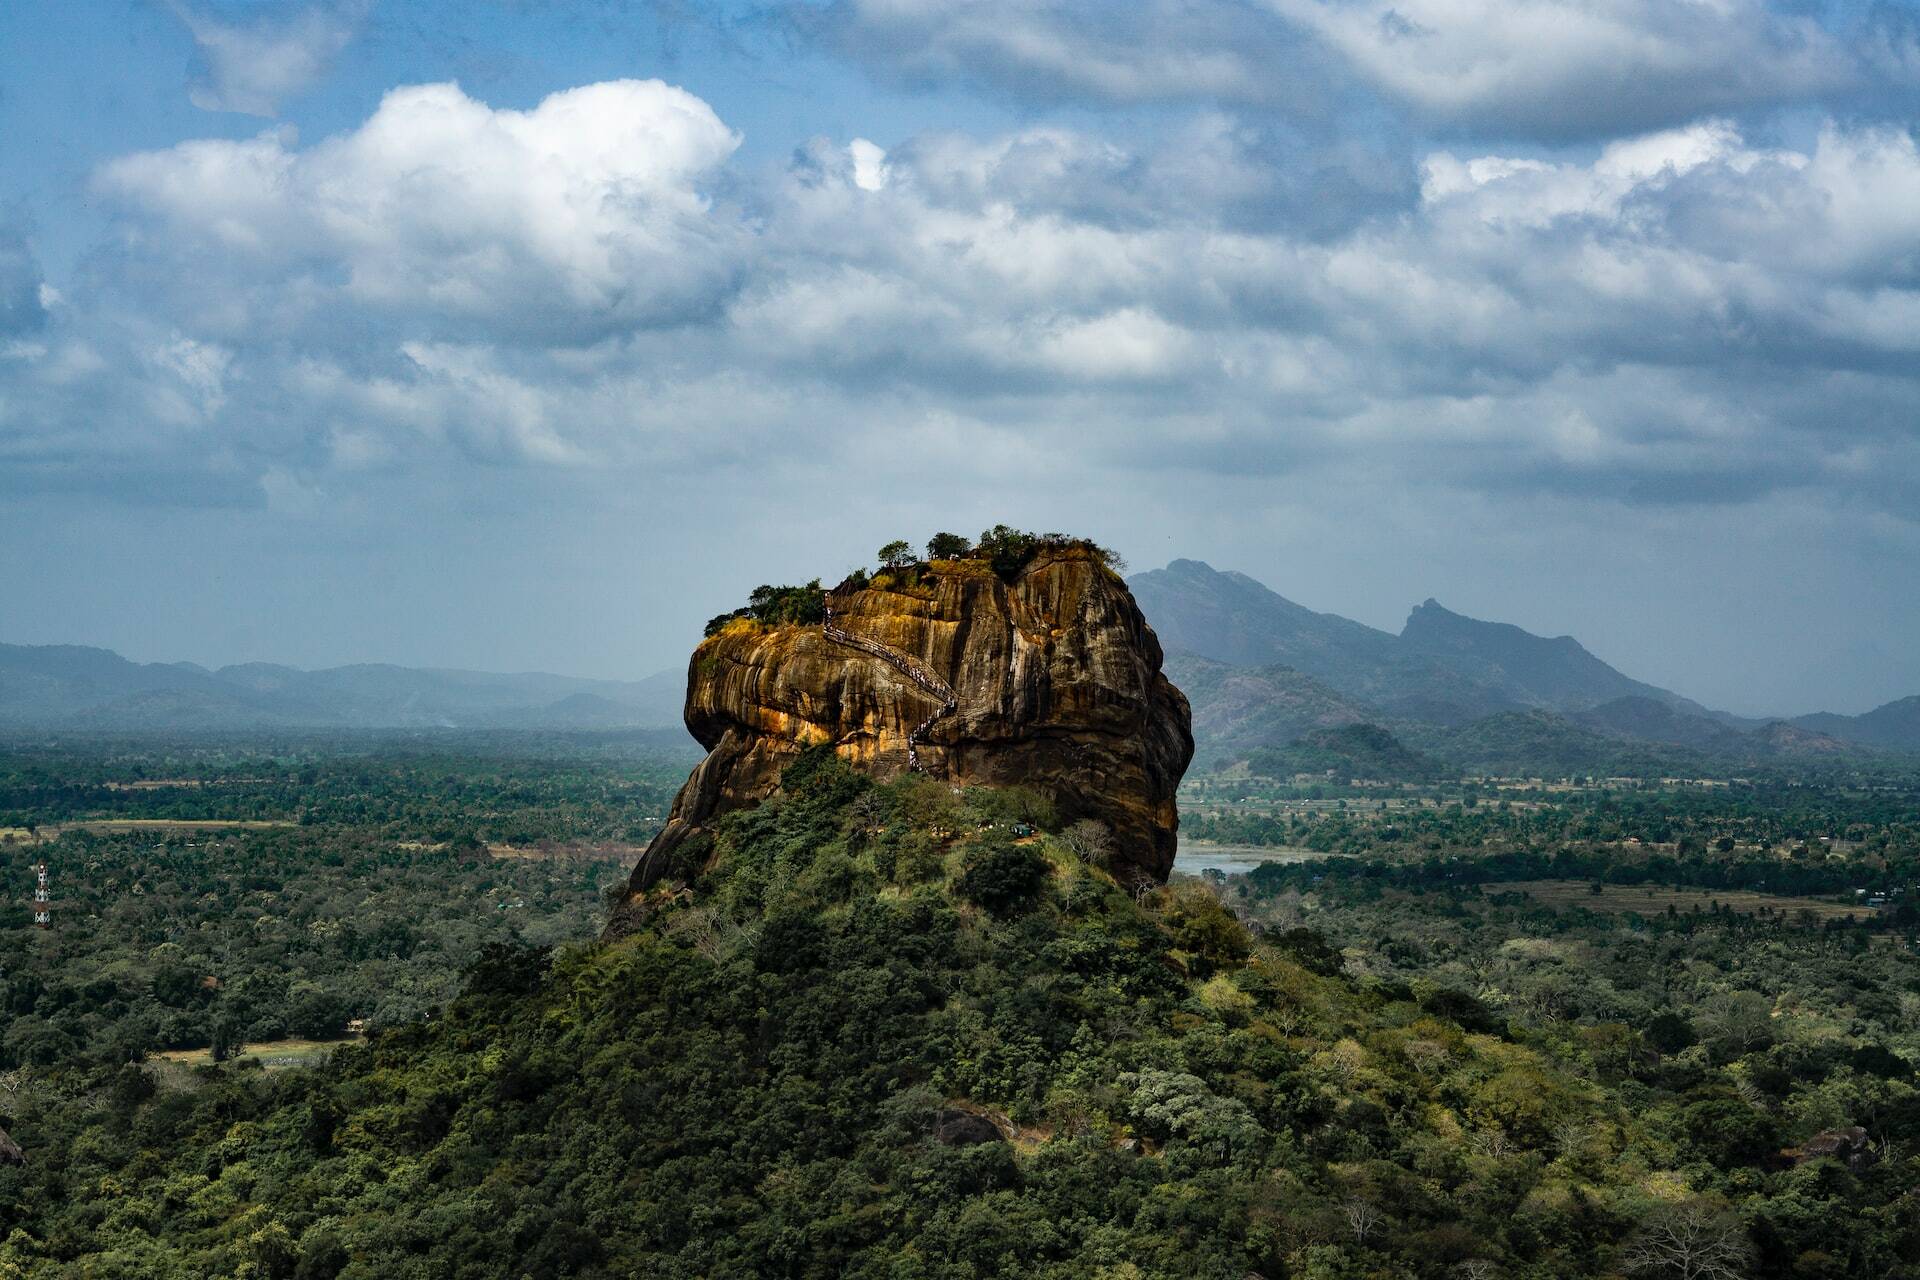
(1442, 666)
(1230, 617)
(1430, 616)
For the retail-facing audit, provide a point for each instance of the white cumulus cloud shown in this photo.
(584, 215)
(1682, 316)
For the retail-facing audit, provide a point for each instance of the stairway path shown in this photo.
(925, 680)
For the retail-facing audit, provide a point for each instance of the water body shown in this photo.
(1196, 856)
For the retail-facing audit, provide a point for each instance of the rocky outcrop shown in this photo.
(1049, 680)
(955, 1127)
(1850, 1146)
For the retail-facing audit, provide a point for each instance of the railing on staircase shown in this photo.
(925, 680)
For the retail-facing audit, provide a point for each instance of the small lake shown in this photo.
(1196, 856)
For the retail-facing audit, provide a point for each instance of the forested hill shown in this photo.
(883, 1036)
(1897, 725)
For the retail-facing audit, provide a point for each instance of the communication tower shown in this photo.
(42, 900)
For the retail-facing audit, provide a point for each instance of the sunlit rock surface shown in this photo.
(1057, 686)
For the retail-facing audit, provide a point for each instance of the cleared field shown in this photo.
(274, 1055)
(1654, 899)
(569, 852)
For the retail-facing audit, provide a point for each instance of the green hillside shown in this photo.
(882, 1037)
(1364, 751)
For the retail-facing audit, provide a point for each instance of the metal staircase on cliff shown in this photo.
(919, 675)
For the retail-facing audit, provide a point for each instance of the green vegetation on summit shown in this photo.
(1005, 550)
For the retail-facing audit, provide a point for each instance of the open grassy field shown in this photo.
(1654, 899)
(274, 1055)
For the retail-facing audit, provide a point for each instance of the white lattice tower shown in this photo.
(42, 898)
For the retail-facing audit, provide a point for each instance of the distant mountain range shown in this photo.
(1264, 672)
(1895, 725)
(75, 687)
(1269, 680)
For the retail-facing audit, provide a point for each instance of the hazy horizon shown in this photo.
(676, 667)
(513, 337)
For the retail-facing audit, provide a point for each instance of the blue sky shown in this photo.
(529, 335)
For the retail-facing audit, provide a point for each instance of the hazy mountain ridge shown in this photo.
(1262, 671)
(1559, 671)
(1895, 724)
(1442, 667)
(79, 687)
(1231, 618)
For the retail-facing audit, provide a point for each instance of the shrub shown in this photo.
(1003, 878)
(1206, 930)
(1463, 1009)
(772, 606)
(1311, 952)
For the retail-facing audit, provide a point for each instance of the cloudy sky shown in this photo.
(521, 334)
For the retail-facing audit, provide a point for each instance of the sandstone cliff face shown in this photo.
(1055, 681)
